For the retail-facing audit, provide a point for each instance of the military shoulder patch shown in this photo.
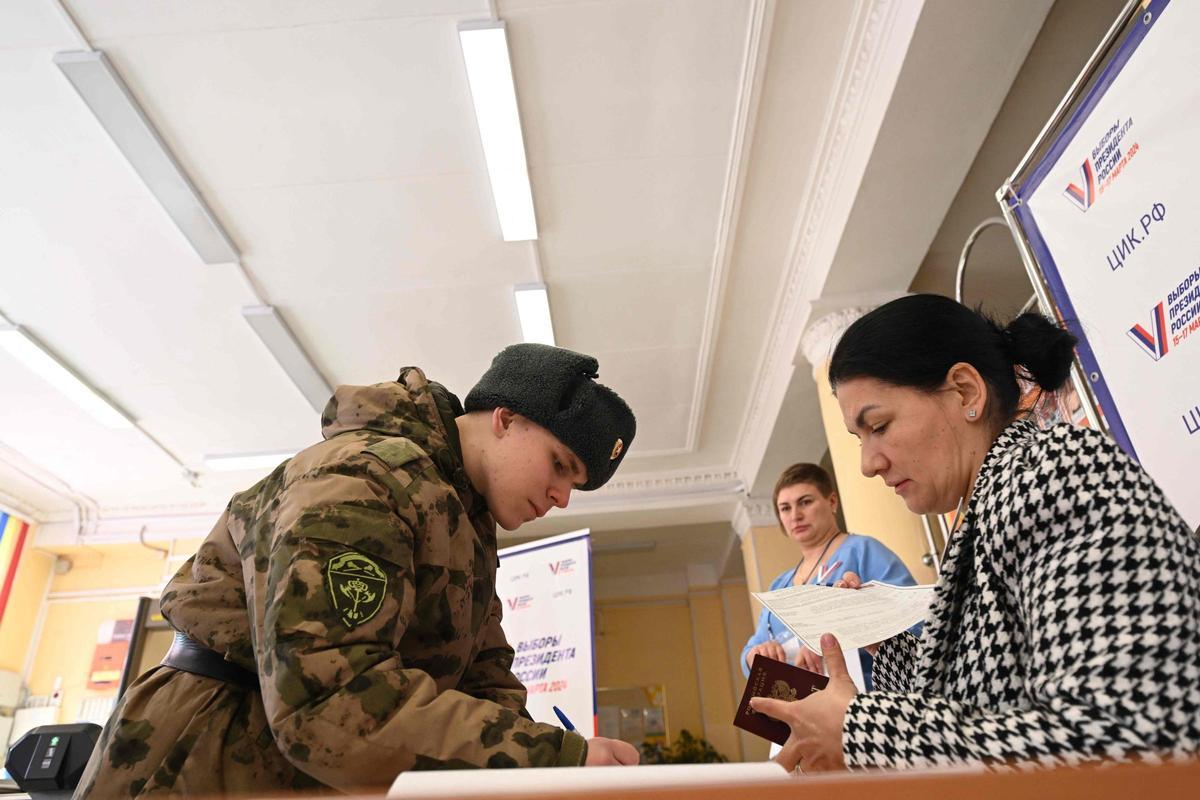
(356, 587)
(396, 452)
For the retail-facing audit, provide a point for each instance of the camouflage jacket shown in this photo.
(358, 580)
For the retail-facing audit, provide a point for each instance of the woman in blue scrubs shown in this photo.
(806, 507)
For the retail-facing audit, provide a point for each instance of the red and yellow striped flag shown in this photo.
(12, 542)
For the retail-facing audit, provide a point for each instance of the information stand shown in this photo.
(546, 590)
(1105, 218)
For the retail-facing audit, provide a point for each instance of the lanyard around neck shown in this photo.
(820, 558)
(791, 577)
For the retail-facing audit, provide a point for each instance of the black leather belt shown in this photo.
(190, 656)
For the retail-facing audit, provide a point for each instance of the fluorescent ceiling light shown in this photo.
(533, 307)
(489, 72)
(278, 338)
(97, 82)
(246, 461)
(34, 355)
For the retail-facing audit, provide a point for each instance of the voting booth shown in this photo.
(1105, 219)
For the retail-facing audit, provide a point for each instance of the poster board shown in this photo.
(545, 588)
(1104, 215)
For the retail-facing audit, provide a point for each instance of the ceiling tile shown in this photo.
(604, 310)
(32, 23)
(105, 19)
(622, 215)
(378, 236)
(650, 377)
(51, 147)
(627, 80)
(285, 106)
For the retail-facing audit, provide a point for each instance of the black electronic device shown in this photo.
(49, 760)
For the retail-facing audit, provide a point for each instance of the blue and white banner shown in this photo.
(1114, 225)
(546, 589)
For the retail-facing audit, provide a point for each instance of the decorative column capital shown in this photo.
(822, 336)
(753, 512)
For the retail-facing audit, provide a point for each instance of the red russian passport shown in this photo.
(771, 678)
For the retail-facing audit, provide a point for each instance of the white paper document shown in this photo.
(857, 617)
(521, 782)
(791, 650)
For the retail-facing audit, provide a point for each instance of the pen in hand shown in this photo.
(602, 752)
(563, 718)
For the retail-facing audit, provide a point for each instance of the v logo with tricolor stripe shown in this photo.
(1083, 194)
(1154, 341)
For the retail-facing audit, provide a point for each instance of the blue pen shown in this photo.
(563, 718)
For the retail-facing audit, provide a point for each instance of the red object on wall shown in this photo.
(11, 573)
(107, 662)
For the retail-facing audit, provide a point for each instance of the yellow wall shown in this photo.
(116, 574)
(713, 670)
(740, 617)
(689, 644)
(67, 645)
(739, 625)
(648, 642)
(766, 552)
(24, 603)
(108, 566)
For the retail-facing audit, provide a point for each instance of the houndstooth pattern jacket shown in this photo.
(1065, 627)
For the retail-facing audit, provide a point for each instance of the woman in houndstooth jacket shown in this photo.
(1065, 627)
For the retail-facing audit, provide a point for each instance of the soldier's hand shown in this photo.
(610, 753)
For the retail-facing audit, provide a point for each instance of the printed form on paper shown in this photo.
(857, 617)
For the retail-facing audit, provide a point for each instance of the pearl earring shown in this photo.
(971, 413)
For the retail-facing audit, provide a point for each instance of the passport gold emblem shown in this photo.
(781, 691)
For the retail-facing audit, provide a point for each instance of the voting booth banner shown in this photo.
(1112, 219)
(545, 588)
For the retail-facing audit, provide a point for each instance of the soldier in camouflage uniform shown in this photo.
(340, 623)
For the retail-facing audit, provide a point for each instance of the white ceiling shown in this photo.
(995, 275)
(696, 165)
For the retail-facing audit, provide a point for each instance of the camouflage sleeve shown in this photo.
(339, 596)
(490, 677)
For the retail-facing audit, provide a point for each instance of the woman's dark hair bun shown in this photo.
(1043, 349)
(915, 340)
